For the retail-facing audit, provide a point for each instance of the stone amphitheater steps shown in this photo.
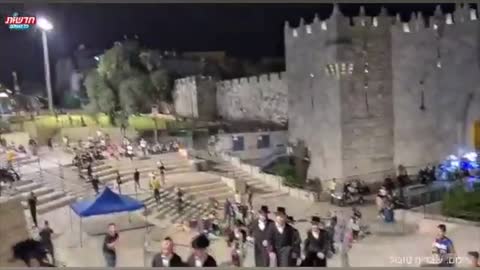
(48, 199)
(260, 188)
(168, 210)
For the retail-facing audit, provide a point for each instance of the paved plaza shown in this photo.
(137, 245)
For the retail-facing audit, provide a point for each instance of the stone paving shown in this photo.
(374, 250)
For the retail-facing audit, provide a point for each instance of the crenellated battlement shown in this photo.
(417, 22)
(247, 81)
(191, 79)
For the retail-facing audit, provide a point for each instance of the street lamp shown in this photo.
(46, 26)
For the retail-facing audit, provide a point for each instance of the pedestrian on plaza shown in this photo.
(167, 257)
(136, 179)
(95, 184)
(249, 190)
(298, 239)
(89, 170)
(50, 144)
(473, 257)
(161, 169)
(443, 247)
(284, 248)
(228, 212)
(143, 146)
(110, 246)
(236, 240)
(29, 249)
(316, 246)
(200, 256)
(258, 232)
(46, 239)
(344, 239)
(179, 194)
(119, 182)
(32, 205)
(155, 187)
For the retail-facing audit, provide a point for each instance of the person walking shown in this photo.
(161, 169)
(136, 179)
(155, 187)
(443, 247)
(200, 256)
(473, 257)
(32, 204)
(167, 257)
(257, 232)
(95, 184)
(179, 194)
(236, 240)
(249, 190)
(227, 212)
(316, 247)
(119, 182)
(46, 239)
(344, 240)
(89, 170)
(110, 246)
(282, 241)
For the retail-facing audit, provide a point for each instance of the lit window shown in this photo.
(473, 14)
(406, 28)
(375, 21)
(295, 33)
(309, 29)
(449, 19)
(324, 26)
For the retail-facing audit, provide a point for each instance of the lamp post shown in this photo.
(46, 26)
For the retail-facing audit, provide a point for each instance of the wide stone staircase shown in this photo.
(200, 190)
(260, 188)
(48, 196)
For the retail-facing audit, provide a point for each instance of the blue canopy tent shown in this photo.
(107, 202)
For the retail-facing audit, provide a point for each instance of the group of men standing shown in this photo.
(278, 243)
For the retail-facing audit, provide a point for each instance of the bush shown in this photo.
(289, 174)
(463, 204)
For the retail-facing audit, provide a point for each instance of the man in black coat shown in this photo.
(30, 249)
(283, 241)
(258, 230)
(168, 257)
(316, 245)
(200, 256)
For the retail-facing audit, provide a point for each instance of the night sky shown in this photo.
(248, 31)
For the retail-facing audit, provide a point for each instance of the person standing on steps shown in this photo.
(89, 170)
(161, 169)
(95, 184)
(249, 191)
(110, 246)
(155, 187)
(257, 233)
(46, 239)
(167, 257)
(32, 204)
(179, 194)
(136, 179)
(119, 182)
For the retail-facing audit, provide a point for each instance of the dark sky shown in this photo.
(242, 30)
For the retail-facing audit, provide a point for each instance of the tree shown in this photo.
(127, 78)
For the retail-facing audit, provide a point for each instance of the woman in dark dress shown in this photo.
(200, 256)
(236, 240)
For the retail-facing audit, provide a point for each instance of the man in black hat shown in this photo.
(316, 245)
(298, 243)
(200, 256)
(258, 231)
(168, 257)
(283, 241)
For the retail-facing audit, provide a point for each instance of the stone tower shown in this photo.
(368, 94)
